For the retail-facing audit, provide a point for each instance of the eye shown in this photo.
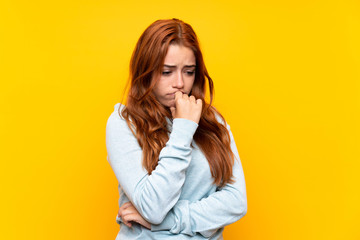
(190, 73)
(166, 73)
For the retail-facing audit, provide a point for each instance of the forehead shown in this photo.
(179, 55)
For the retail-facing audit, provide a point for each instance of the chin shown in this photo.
(169, 104)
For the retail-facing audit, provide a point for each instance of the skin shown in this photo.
(172, 90)
(129, 215)
(178, 74)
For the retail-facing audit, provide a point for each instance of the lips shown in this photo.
(174, 93)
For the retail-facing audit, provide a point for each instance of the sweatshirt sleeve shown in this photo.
(152, 195)
(206, 216)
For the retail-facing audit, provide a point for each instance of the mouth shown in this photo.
(171, 94)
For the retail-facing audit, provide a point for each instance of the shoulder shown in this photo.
(118, 107)
(116, 114)
(119, 138)
(116, 123)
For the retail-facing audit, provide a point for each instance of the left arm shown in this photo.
(207, 215)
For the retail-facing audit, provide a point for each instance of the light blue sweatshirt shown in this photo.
(179, 198)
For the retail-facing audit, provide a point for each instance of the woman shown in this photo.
(173, 154)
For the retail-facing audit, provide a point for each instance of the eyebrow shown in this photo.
(173, 66)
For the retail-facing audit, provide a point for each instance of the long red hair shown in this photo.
(146, 116)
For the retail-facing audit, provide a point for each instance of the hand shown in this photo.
(186, 107)
(128, 214)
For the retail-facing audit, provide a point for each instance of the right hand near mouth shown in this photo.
(187, 107)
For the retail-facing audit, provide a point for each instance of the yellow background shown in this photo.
(286, 75)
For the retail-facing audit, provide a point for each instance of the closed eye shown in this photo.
(190, 73)
(166, 73)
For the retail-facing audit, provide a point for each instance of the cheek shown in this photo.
(157, 92)
(190, 83)
(159, 89)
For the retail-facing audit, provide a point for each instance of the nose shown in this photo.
(178, 81)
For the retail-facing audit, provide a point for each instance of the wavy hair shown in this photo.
(146, 116)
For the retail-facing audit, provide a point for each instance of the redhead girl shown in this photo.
(173, 154)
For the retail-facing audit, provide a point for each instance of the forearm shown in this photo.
(152, 195)
(208, 214)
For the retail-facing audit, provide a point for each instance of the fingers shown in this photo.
(178, 95)
(129, 214)
(127, 219)
(126, 205)
(137, 218)
(192, 98)
(124, 210)
(127, 223)
(123, 207)
(187, 107)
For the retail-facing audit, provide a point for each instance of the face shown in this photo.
(178, 74)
